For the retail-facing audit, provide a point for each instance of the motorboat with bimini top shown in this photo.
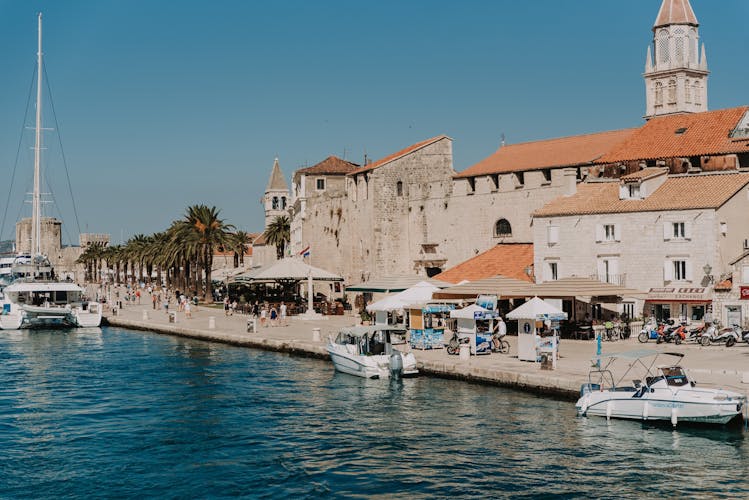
(664, 393)
(367, 351)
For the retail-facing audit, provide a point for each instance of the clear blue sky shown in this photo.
(165, 104)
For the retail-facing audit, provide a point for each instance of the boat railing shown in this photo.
(604, 379)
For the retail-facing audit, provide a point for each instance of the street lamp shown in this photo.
(707, 268)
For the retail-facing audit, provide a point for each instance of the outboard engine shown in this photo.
(396, 365)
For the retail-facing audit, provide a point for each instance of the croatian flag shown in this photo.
(305, 252)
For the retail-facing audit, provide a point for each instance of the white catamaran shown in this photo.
(34, 297)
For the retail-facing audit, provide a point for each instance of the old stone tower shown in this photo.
(275, 199)
(675, 69)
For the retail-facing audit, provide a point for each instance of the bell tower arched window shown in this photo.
(399, 188)
(502, 228)
(687, 91)
(658, 94)
(274, 203)
(679, 48)
(672, 91)
(283, 203)
(697, 93)
(664, 55)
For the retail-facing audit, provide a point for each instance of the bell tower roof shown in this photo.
(276, 181)
(675, 12)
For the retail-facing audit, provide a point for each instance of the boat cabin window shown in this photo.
(675, 376)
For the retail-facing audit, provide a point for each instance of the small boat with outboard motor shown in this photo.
(367, 351)
(664, 393)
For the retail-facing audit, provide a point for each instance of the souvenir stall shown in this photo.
(422, 337)
(538, 329)
(427, 324)
(475, 324)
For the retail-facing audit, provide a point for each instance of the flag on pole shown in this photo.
(305, 252)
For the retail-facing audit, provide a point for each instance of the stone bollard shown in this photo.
(315, 335)
(211, 322)
(145, 315)
(465, 352)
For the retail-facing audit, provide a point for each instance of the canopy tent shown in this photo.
(536, 309)
(288, 269)
(418, 294)
(394, 284)
(469, 312)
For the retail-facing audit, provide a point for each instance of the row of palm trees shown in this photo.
(181, 256)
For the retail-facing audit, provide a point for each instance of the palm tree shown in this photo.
(240, 242)
(200, 232)
(278, 233)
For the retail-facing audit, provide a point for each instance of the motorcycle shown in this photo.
(649, 331)
(713, 336)
(677, 333)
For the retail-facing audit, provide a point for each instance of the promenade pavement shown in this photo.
(712, 366)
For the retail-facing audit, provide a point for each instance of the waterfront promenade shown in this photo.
(714, 366)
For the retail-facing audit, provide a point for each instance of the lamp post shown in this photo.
(707, 268)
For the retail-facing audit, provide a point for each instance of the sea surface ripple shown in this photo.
(116, 413)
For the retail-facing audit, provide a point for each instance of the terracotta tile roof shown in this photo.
(724, 286)
(560, 152)
(676, 193)
(675, 12)
(507, 259)
(260, 240)
(645, 173)
(332, 165)
(685, 135)
(399, 154)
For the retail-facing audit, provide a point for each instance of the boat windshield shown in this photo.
(675, 376)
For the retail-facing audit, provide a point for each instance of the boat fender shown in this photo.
(608, 410)
(645, 409)
(674, 418)
(396, 365)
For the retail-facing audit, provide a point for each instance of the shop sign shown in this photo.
(744, 292)
(677, 294)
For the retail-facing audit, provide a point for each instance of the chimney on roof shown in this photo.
(570, 181)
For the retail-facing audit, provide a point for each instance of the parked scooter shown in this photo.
(649, 331)
(712, 335)
(453, 346)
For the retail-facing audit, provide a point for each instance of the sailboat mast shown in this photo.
(36, 195)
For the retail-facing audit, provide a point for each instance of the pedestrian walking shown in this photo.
(283, 312)
(188, 310)
(154, 299)
(273, 316)
(226, 306)
(264, 316)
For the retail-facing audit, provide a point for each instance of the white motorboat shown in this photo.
(28, 304)
(33, 296)
(665, 393)
(367, 351)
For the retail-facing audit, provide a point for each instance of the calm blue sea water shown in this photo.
(117, 413)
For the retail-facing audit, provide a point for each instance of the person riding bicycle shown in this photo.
(500, 332)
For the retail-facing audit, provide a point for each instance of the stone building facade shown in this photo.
(412, 213)
(665, 235)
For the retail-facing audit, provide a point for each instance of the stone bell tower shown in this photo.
(276, 198)
(676, 66)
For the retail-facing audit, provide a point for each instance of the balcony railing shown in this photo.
(614, 279)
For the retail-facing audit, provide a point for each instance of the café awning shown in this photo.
(288, 269)
(394, 284)
(417, 294)
(583, 287)
(497, 285)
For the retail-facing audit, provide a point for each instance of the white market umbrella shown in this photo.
(418, 294)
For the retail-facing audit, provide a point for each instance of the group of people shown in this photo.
(269, 315)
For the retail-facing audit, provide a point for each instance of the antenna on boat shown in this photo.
(35, 200)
